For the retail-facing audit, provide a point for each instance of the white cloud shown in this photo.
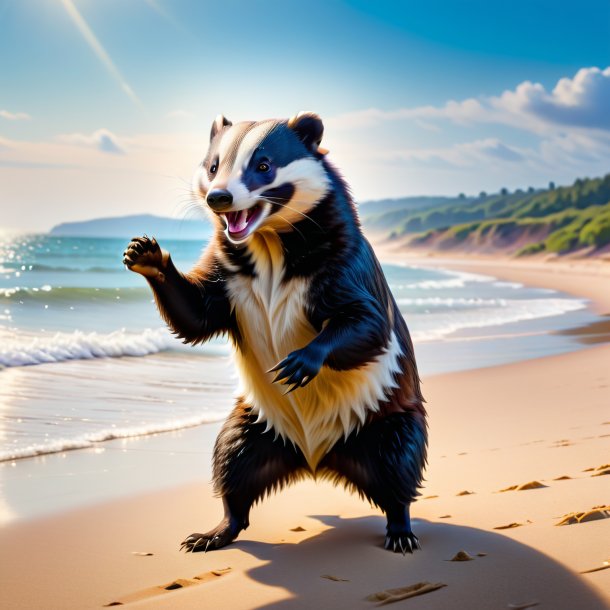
(466, 154)
(180, 114)
(581, 102)
(14, 116)
(4, 143)
(102, 139)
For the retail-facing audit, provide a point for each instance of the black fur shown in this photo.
(354, 313)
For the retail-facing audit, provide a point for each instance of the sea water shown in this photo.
(85, 357)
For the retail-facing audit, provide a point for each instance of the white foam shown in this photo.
(503, 311)
(513, 285)
(29, 350)
(90, 439)
(452, 302)
(457, 279)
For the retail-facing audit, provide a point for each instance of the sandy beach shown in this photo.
(515, 450)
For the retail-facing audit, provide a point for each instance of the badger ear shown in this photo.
(309, 128)
(219, 122)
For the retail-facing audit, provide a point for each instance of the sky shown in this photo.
(106, 105)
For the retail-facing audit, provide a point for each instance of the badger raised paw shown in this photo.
(144, 255)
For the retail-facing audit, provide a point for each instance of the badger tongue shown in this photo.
(237, 221)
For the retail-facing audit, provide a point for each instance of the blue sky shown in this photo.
(105, 105)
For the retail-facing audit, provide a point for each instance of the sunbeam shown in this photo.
(98, 49)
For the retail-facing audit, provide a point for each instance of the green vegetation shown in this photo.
(557, 220)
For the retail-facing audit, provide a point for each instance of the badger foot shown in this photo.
(402, 543)
(220, 536)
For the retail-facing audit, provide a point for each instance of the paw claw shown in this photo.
(405, 543)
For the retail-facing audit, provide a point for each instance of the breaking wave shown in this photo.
(83, 346)
(430, 325)
(91, 439)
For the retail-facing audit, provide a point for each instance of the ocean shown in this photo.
(86, 359)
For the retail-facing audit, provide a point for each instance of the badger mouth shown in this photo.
(242, 223)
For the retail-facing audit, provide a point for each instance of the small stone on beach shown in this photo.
(334, 578)
(461, 556)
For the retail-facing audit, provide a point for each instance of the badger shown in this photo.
(329, 386)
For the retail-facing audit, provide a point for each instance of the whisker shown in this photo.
(277, 201)
(286, 220)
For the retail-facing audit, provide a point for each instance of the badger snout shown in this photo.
(219, 200)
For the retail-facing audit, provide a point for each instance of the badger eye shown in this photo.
(263, 166)
(213, 168)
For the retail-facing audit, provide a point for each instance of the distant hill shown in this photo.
(386, 213)
(554, 220)
(128, 226)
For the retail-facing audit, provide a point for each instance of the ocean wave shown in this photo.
(513, 285)
(457, 279)
(71, 295)
(83, 346)
(512, 311)
(36, 267)
(452, 302)
(91, 439)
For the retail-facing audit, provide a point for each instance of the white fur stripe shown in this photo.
(272, 322)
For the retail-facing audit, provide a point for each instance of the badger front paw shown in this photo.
(299, 367)
(144, 255)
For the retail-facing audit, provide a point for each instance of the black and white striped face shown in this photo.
(266, 174)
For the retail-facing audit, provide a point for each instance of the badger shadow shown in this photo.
(509, 573)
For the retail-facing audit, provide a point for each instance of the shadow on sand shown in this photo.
(509, 573)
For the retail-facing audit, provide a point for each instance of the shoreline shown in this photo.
(522, 331)
(571, 276)
(491, 428)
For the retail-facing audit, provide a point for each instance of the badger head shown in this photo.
(262, 175)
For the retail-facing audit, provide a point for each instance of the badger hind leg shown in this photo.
(383, 461)
(249, 462)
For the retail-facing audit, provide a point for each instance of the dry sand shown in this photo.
(542, 426)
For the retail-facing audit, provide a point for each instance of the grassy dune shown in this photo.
(555, 220)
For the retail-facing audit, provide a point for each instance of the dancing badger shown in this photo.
(329, 384)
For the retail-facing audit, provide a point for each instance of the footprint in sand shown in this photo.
(465, 493)
(603, 469)
(509, 526)
(394, 595)
(524, 486)
(596, 513)
(179, 583)
(564, 442)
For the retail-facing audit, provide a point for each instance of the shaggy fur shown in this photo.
(329, 383)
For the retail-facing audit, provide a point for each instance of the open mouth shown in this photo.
(241, 223)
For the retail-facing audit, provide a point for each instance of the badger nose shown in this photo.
(219, 199)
